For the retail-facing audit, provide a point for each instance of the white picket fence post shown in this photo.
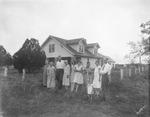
(23, 74)
(135, 71)
(121, 74)
(139, 69)
(142, 69)
(5, 71)
(129, 72)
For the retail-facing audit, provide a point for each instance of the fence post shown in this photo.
(139, 69)
(142, 69)
(129, 72)
(5, 71)
(23, 74)
(135, 71)
(121, 74)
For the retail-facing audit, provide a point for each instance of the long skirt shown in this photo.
(45, 77)
(50, 82)
(66, 79)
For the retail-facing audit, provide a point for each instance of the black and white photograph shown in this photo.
(74, 58)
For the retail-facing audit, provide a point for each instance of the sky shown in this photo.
(111, 23)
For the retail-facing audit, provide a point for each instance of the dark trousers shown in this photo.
(105, 86)
(59, 77)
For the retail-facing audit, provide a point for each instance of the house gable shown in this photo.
(93, 48)
(59, 49)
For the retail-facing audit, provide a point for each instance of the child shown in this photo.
(96, 81)
(90, 89)
(51, 76)
(66, 75)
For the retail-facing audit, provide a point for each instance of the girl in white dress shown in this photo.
(66, 76)
(97, 78)
(51, 76)
(78, 77)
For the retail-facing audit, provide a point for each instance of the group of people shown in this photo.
(64, 75)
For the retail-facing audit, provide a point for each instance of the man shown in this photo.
(105, 71)
(59, 71)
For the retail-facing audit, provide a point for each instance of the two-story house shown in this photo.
(72, 50)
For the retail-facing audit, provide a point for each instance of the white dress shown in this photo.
(78, 76)
(96, 81)
(66, 76)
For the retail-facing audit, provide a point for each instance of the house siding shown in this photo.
(92, 62)
(84, 61)
(59, 50)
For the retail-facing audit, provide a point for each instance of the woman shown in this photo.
(72, 76)
(97, 78)
(45, 73)
(78, 77)
(66, 75)
(51, 76)
(88, 73)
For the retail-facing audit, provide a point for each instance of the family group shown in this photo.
(63, 75)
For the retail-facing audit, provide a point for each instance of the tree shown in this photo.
(5, 57)
(146, 39)
(30, 56)
(141, 48)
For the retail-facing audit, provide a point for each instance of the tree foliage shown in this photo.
(146, 39)
(29, 56)
(142, 48)
(5, 57)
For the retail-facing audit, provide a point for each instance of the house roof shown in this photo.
(92, 45)
(74, 41)
(66, 44)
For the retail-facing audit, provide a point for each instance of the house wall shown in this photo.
(92, 62)
(84, 61)
(59, 50)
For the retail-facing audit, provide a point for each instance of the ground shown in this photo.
(31, 99)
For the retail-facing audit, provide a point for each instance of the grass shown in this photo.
(31, 99)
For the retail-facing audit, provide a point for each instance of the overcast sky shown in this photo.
(111, 23)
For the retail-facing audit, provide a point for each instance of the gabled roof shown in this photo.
(66, 44)
(74, 41)
(101, 56)
(92, 45)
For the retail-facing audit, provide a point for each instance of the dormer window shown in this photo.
(95, 50)
(81, 48)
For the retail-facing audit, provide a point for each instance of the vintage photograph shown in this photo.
(74, 58)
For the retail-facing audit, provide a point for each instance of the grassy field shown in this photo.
(31, 99)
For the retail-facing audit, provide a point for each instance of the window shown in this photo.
(95, 51)
(51, 48)
(81, 48)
